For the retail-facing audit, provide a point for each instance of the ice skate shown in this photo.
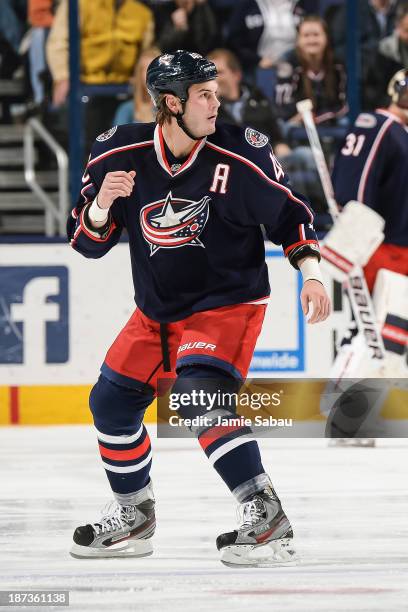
(352, 442)
(264, 537)
(123, 531)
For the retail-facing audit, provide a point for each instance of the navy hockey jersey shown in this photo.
(372, 167)
(194, 226)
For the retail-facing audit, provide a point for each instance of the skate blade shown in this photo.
(276, 552)
(129, 548)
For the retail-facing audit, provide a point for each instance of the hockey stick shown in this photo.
(356, 286)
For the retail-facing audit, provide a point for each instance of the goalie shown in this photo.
(372, 167)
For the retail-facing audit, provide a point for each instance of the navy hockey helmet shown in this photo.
(175, 72)
(398, 89)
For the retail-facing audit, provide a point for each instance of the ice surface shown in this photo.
(348, 508)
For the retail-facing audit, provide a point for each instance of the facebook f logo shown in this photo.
(33, 315)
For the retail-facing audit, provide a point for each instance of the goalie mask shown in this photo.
(398, 89)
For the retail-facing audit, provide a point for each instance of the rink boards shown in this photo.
(59, 313)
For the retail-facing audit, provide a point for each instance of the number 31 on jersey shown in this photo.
(353, 145)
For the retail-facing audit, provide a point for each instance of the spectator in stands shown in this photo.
(260, 31)
(376, 20)
(187, 24)
(244, 104)
(112, 35)
(395, 47)
(140, 109)
(310, 71)
(392, 55)
(40, 17)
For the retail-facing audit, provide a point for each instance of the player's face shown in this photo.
(202, 108)
(312, 39)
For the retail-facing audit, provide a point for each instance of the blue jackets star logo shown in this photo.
(174, 222)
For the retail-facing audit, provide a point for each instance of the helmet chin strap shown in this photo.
(179, 118)
(182, 125)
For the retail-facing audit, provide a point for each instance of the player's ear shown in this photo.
(173, 103)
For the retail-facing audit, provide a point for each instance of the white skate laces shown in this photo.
(113, 517)
(250, 513)
(122, 531)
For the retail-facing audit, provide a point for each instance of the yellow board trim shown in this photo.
(4, 406)
(63, 405)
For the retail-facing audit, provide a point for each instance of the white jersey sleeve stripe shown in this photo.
(370, 159)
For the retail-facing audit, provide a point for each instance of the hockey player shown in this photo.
(193, 197)
(374, 158)
(372, 167)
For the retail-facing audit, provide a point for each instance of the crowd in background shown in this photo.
(269, 55)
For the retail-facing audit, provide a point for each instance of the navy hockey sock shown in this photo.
(124, 443)
(234, 455)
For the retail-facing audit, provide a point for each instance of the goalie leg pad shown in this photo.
(390, 298)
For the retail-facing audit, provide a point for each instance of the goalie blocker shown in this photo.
(346, 245)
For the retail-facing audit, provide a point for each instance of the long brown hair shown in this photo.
(164, 114)
(328, 63)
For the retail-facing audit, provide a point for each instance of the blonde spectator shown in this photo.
(140, 109)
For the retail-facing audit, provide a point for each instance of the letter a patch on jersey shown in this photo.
(220, 179)
(174, 222)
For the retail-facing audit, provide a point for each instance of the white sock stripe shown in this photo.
(228, 446)
(127, 468)
(119, 439)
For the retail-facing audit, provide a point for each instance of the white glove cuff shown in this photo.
(97, 214)
(310, 270)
